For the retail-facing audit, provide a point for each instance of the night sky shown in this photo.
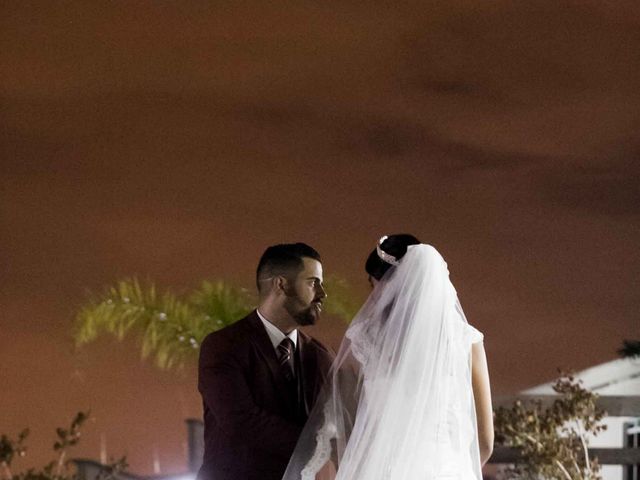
(175, 140)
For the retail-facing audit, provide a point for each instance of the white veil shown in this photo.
(398, 403)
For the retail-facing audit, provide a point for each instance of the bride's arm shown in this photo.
(482, 396)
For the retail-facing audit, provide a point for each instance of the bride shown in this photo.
(408, 395)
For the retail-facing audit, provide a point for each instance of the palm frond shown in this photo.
(222, 303)
(116, 311)
(170, 328)
(341, 301)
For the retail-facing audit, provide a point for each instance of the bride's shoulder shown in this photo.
(473, 334)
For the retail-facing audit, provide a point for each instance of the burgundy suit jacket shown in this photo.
(250, 423)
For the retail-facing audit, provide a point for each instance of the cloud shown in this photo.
(594, 190)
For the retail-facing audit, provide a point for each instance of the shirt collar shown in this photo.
(275, 334)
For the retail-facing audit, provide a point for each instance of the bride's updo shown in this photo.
(393, 245)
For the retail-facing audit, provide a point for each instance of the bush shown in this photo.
(552, 440)
(58, 469)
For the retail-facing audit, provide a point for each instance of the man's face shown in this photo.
(305, 293)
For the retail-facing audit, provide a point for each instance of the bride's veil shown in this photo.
(398, 402)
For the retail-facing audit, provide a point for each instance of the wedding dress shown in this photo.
(398, 404)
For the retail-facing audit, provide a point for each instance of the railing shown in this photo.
(615, 406)
(93, 470)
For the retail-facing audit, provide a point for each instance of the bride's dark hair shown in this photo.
(395, 245)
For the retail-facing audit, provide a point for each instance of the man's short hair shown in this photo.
(283, 259)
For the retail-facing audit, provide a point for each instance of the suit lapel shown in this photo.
(308, 370)
(262, 342)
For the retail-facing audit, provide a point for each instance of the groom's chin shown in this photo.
(308, 318)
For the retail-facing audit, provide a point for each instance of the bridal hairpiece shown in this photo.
(384, 256)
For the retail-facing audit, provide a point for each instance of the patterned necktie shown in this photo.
(285, 357)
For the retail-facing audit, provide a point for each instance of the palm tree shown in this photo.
(171, 327)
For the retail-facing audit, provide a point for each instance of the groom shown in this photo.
(260, 376)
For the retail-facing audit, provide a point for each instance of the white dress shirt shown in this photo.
(275, 334)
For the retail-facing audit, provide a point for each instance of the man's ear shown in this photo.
(280, 284)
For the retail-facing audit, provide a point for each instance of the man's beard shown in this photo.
(302, 316)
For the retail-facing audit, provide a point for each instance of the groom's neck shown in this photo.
(278, 316)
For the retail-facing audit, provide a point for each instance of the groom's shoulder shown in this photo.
(318, 346)
(235, 333)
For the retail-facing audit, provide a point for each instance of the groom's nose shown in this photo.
(320, 292)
